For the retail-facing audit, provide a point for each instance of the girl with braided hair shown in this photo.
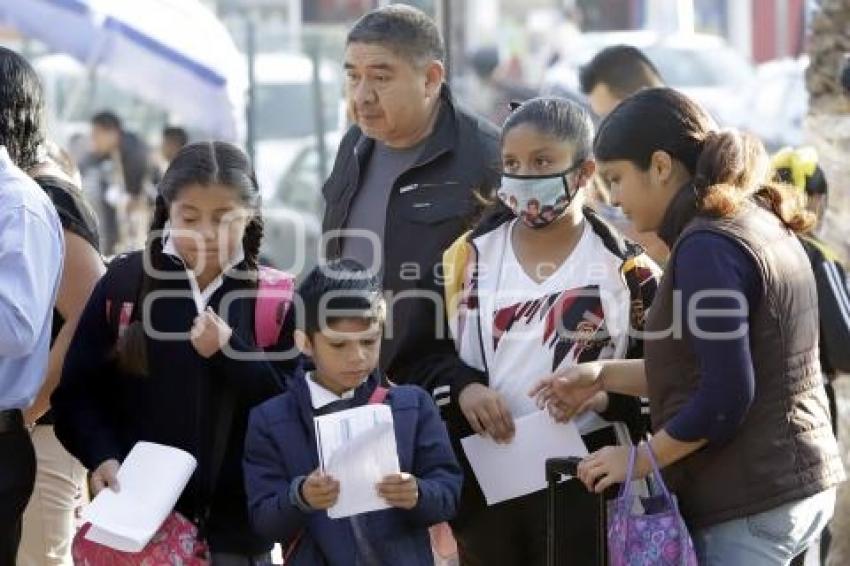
(163, 349)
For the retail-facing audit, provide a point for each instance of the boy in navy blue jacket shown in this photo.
(341, 328)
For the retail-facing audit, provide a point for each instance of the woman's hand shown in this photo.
(106, 475)
(209, 333)
(571, 391)
(608, 466)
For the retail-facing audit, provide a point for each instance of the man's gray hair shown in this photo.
(407, 31)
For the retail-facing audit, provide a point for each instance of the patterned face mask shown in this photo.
(538, 200)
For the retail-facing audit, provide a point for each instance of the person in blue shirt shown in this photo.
(31, 245)
(341, 330)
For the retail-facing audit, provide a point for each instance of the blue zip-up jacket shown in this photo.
(281, 448)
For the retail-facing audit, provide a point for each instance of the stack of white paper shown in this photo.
(150, 480)
(357, 448)
(507, 471)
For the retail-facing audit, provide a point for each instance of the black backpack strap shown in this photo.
(224, 409)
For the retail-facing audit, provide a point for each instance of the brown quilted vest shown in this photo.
(785, 449)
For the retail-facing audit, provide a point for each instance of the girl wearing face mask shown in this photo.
(541, 283)
(172, 364)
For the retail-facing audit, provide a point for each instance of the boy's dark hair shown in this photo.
(107, 120)
(176, 134)
(622, 68)
(340, 289)
(402, 29)
(558, 117)
(22, 122)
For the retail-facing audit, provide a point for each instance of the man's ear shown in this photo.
(302, 342)
(661, 166)
(435, 74)
(586, 172)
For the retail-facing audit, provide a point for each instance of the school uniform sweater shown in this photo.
(102, 411)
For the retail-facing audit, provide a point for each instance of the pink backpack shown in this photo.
(273, 301)
(274, 297)
(176, 542)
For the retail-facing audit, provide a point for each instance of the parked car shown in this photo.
(293, 213)
(285, 113)
(287, 156)
(702, 66)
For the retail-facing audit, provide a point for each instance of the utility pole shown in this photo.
(251, 53)
(296, 21)
(781, 29)
(319, 107)
(443, 17)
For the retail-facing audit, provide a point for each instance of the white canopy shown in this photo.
(174, 53)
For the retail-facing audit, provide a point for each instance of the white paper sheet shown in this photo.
(507, 471)
(357, 447)
(151, 480)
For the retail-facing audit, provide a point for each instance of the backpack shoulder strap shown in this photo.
(641, 276)
(274, 297)
(379, 395)
(123, 283)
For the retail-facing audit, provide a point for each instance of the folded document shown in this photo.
(150, 482)
(357, 447)
(507, 471)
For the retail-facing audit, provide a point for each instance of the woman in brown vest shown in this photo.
(731, 363)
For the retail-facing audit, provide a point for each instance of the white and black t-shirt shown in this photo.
(579, 313)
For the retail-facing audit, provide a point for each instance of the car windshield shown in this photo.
(691, 67)
(287, 110)
(300, 187)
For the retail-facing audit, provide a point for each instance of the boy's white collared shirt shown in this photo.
(201, 298)
(320, 396)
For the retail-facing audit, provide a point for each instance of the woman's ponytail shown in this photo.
(734, 167)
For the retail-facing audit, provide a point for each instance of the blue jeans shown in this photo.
(772, 538)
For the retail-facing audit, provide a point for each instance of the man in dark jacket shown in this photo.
(406, 181)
